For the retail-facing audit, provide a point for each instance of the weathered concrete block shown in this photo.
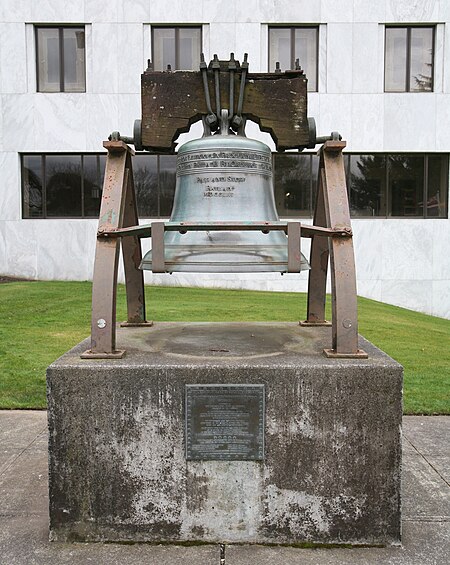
(331, 472)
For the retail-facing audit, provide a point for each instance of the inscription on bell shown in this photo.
(225, 422)
(220, 186)
(247, 161)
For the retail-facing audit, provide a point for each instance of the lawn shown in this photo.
(41, 320)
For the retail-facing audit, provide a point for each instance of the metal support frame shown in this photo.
(332, 211)
(118, 210)
(331, 239)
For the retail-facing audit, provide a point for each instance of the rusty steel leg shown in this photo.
(342, 261)
(317, 281)
(103, 327)
(132, 256)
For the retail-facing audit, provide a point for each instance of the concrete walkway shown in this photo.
(24, 512)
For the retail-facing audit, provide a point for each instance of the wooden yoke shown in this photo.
(118, 210)
(332, 211)
(173, 101)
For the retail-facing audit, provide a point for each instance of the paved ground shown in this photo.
(24, 514)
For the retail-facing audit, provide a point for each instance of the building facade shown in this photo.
(378, 72)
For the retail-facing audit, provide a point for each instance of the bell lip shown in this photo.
(242, 259)
(254, 268)
(222, 267)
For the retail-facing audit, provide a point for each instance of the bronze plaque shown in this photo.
(225, 422)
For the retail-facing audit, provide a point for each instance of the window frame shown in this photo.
(408, 58)
(425, 192)
(60, 29)
(292, 29)
(312, 183)
(43, 158)
(388, 208)
(82, 155)
(176, 29)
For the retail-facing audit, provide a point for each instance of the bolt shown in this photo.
(101, 323)
(237, 122)
(211, 120)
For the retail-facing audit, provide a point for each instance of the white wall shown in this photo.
(404, 262)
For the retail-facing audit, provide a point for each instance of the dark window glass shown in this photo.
(314, 179)
(367, 182)
(167, 181)
(379, 185)
(421, 75)
(32, 186)
(145, 174)
(409, 59)
(288, 44)
(406, 185)
(93, 171)
(60, 59)
(74, 63)
(63, 185)
(436, 206)
(179, 47)
(293, 185)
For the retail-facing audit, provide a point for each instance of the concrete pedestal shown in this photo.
(331, 468)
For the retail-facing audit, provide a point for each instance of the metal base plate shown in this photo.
(332, 353)
(136, 324)
(307, 324)
(118, 354)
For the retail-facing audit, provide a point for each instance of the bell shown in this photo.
(224, 178)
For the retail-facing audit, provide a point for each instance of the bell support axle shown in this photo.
(144, 231)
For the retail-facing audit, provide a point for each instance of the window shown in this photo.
(286, 44)
(295, 181)
(154, 182)
(179, 47)
(398, 185)
(409, 55)
(60, 185)
(379, 185)
(60, 59)
(63, 185)
(366, 178)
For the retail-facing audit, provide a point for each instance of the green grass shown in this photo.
(41, 320)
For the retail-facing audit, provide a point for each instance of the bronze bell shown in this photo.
(224, 178)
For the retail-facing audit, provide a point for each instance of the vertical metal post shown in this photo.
(104, 286)
(294, 247)
(158, 255)
(317, 280)
(342, 261)
(132, 256)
